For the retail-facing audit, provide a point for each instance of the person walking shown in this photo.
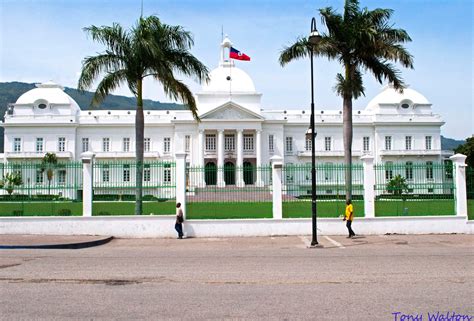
(348, 217)
(178, 226)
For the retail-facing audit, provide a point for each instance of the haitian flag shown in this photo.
(235, 54)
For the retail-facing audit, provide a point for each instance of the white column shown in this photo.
(459, 161)
(200, 163)
(369, 183)
(277, 167)
(220, 158)
(181, 180)
(240, 159)
(258, 155)
(87, 183)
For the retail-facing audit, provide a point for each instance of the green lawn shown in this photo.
(414, 207)
(228, 210)
(470, 209)
(298, 209)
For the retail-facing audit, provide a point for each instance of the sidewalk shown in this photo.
(51, 241)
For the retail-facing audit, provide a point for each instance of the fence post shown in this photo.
(87, 183)
(369, 183)
(459, 161)
(277, 167)
(181, 180)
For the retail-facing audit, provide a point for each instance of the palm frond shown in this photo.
(107, 85)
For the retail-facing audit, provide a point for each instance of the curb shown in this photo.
(70, 246)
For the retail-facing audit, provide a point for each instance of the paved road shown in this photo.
(246, 278)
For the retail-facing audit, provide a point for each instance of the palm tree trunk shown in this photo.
(347, 132)
(139, 141)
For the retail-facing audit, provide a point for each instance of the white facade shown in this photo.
(397, 127)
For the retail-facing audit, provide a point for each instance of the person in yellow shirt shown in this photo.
(348, 217)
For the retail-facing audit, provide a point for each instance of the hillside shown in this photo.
(10, 91)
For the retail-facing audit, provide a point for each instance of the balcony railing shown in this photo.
(411, 152)
(37, 154)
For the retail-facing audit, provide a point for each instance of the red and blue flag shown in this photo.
(238, 55)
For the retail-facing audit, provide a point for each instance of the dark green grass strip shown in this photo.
(414, 207)
(228, 210)
(470, 209)
(302, 209)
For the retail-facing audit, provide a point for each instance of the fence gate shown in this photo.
(114, 187)
(210, 199)
(39, 189)
(414, 189)
(470, 191)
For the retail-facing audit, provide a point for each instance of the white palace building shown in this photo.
(234, 129)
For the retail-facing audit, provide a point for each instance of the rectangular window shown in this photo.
(429, 170)
(39, 177)
(166, 145)
(328, 171)
(248, 143)
(126, 144)
(290, 172)
(147, 144)
(409, 170)
(39, 145)
(408, 140)
(105, 144)
(271, 144)
(210, 142)
(85, 144)
(366, 144)
(428, 140)
(289, 145)
(105, 174)
(388, 142)
(167, 173)
(308, 144)
(229, 143)
(388, 170)
(126, 173)
(448, 169)
(187, 143)
(16, 145)
(61, 177)
(327, 143)
(61, 144)
(146, 173)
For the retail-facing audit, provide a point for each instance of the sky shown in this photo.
(43, 40)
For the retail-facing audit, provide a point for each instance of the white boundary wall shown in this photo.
(163, 226)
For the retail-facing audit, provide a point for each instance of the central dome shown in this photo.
(228, 78)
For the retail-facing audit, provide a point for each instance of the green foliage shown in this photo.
(468, 150)
(64, 212)
(397, 185)
(10, 181)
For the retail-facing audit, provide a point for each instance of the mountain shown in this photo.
(10, 91)
(449, 143)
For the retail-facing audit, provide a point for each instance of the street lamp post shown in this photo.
(313, 39)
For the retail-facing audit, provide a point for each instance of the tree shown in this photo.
(10, 181)
(468, 150)
(48, 164)
(397, 185)
(360, 40)
(148, 49)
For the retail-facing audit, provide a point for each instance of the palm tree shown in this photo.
(148, 49)
(48, 163)
(360, 40)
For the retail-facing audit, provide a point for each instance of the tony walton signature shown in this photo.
(433, 316)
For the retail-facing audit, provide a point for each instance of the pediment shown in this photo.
(230, 111)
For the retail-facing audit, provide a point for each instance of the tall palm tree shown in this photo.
(360, 40)
(149, 49)
(48, 164)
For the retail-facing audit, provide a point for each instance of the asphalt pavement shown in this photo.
(390, 277)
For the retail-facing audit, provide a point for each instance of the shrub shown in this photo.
(17, 212)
